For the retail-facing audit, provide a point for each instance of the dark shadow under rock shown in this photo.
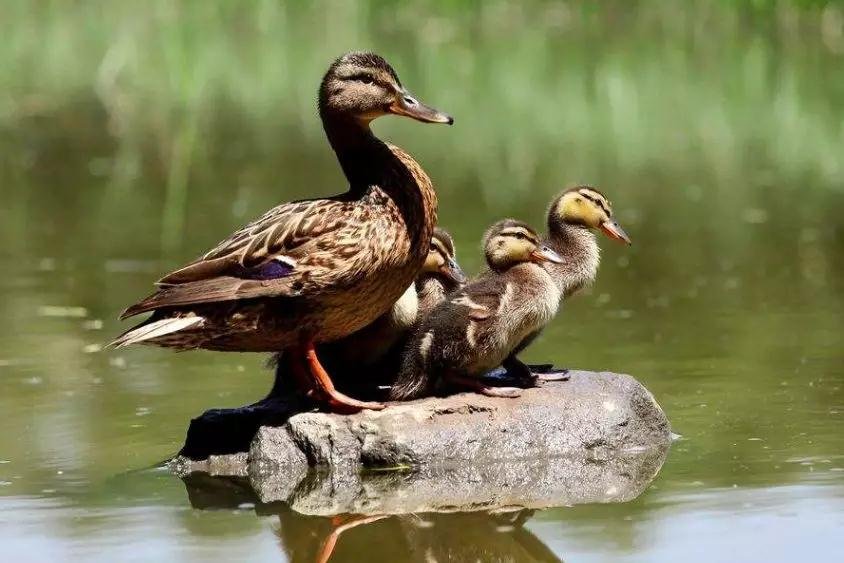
(230, 431)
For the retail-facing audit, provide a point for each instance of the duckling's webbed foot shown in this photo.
(478, 386)
(557, 375)
(519, 372)
(547, 372)
(322, 388)
(534, 374)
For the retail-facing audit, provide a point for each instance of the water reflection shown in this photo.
(464, 536)
(484, 535)
(469, 513)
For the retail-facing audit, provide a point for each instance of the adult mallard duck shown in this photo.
(315, 270)
(478, 327)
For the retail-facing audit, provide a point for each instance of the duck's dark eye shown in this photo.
(366, 79)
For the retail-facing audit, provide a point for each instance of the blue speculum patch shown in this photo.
(273, 269)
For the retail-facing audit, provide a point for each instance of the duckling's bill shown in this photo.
(613, 230)
(453, 271)
(545, 254)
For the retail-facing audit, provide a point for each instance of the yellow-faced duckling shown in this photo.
(572, 216)
(315, 270)
(478, 327)
(441, 274)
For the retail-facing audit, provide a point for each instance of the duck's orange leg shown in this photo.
(324, 389)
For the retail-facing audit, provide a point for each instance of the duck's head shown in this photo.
(510, 242)
(441, 258)
(364, 86)
(584, 206)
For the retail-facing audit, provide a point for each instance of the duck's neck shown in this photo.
(359, 151)
(369, 162)
(579, 250)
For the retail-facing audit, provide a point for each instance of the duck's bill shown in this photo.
(453, 272)
(408, 106)
(615, 232)
(545, 254)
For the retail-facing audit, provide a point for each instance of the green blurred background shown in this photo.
(135, 135)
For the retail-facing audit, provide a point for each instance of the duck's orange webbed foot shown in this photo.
(323, 390)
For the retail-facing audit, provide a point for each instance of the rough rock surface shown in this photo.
(593, 414)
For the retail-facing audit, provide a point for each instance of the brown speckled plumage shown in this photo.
(367, 346)
(345, 258)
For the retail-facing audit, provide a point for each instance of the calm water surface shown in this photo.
(724, 165)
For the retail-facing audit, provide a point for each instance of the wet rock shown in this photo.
(221, 432)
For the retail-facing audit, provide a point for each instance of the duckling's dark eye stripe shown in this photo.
(362, 76)
(597, 202)
(519, 234)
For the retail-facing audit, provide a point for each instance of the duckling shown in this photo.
(478, 327)
(317, 270)
(571, 217)
(441, 274)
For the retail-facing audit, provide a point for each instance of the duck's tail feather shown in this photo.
(150, 330)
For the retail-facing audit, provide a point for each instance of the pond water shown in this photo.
(717, 134)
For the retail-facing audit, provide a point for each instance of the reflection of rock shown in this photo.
(481, 535)
(425, 537)
(536, 483)
(525, 483)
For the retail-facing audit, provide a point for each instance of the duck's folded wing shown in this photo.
(292, 249)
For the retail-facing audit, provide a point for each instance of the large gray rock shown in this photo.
(592, 414)
(598, 437)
